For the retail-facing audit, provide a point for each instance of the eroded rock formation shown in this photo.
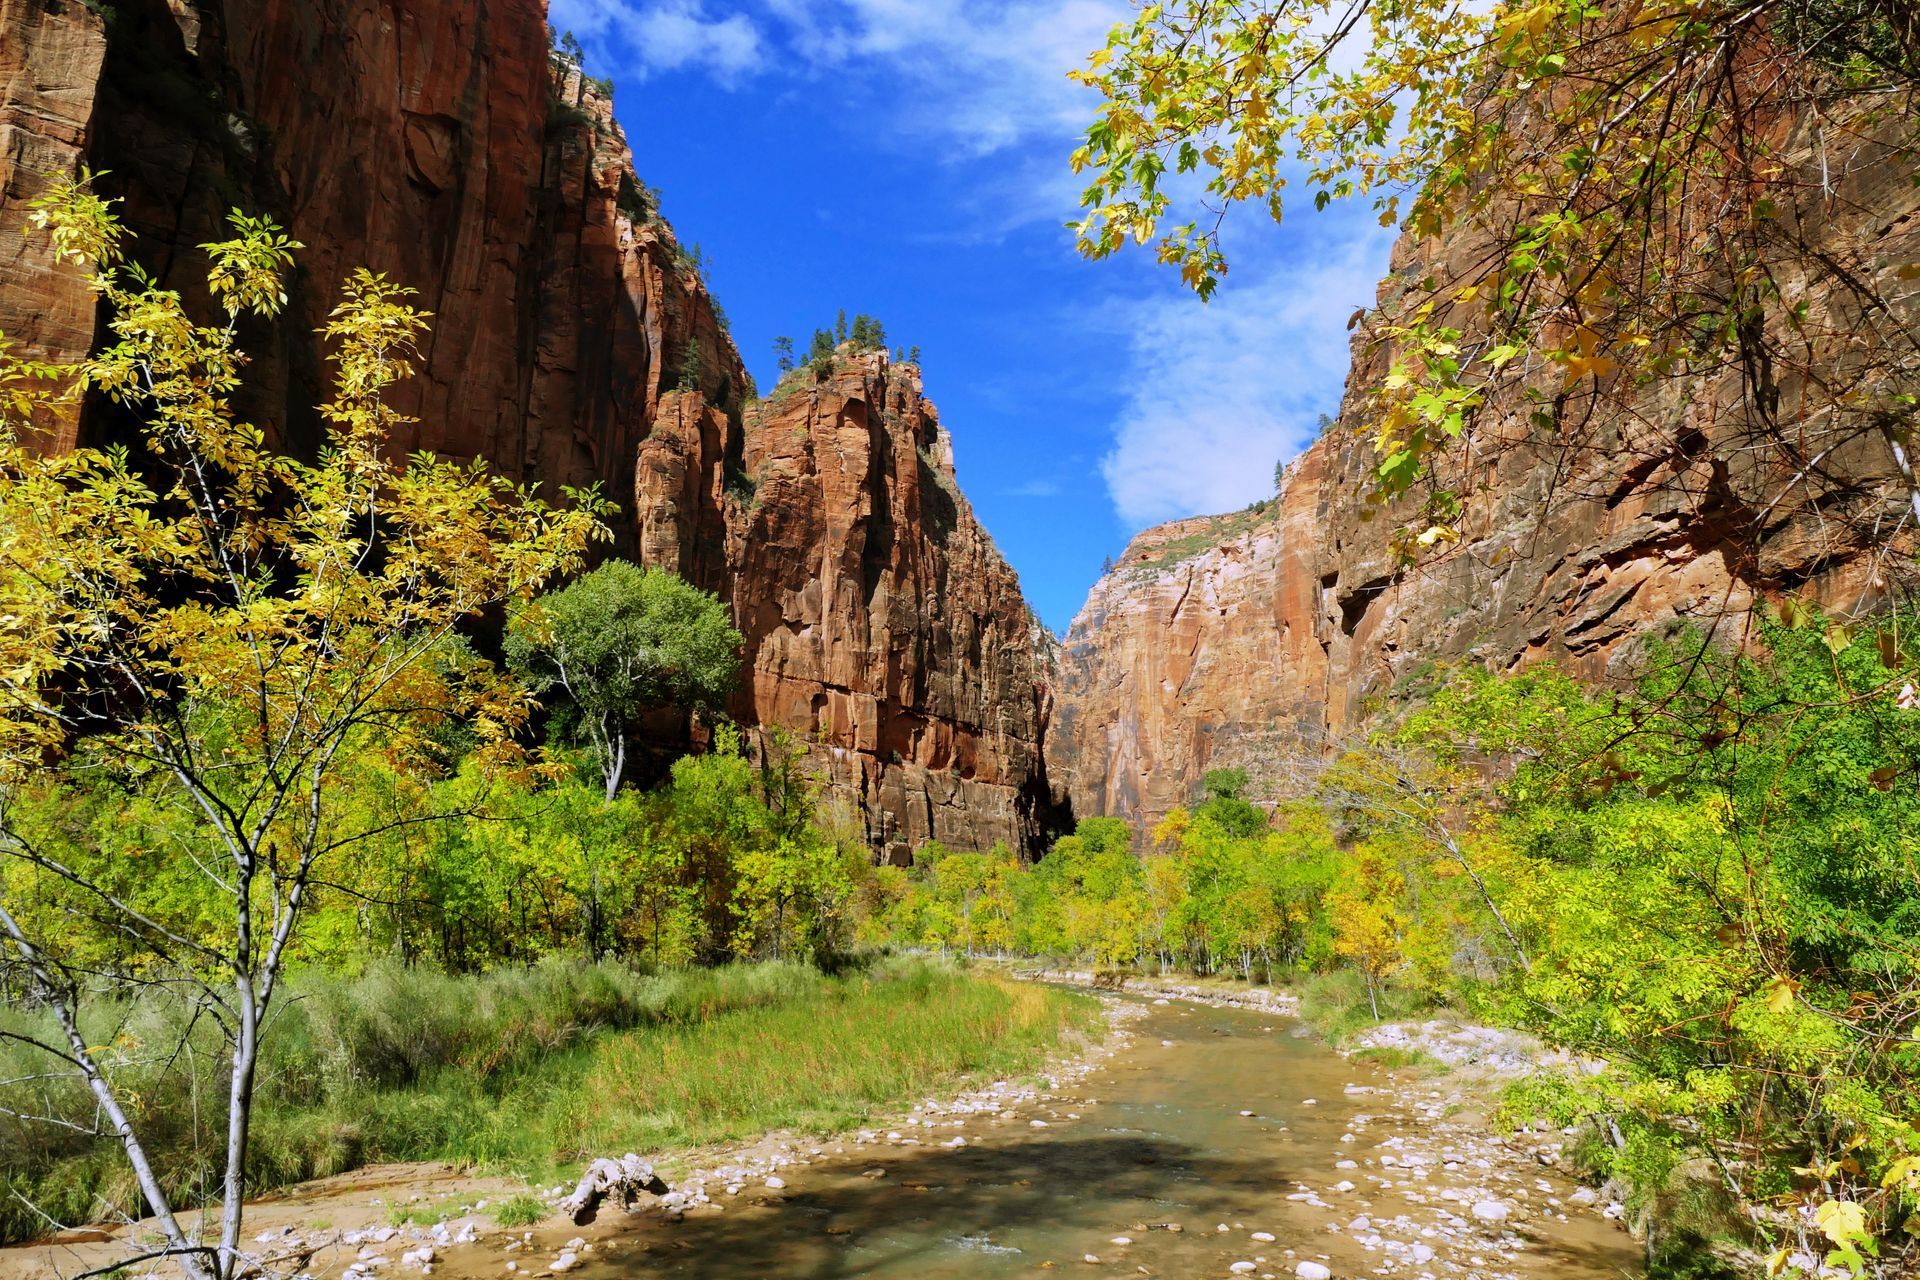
(884, 628)
(1236, 640)
(574, 342)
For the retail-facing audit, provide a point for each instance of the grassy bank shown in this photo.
(524, 1070)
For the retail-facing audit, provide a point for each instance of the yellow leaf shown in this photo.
(1905, 1169)
(1780, 995)
(1841, 1221)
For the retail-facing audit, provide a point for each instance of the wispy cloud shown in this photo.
(1034, 489)
(983, 75)
(642, 36)
(1218, 394)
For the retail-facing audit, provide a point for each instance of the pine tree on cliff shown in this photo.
(689, 368)
(840, 328)
(783, 352)
(820, 351)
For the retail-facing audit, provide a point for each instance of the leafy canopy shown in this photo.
(225, 631)
(1622, 188)
(621, 640)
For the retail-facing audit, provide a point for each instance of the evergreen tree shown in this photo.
(689, 368)
(840, 328)
(821, 349)
(783, 350)
(913, 355)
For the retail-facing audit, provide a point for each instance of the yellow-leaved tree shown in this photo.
(1602, 196)
(226, 627)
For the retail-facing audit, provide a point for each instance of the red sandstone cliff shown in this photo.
(573, 342)
(883, 625)
(1226, 640)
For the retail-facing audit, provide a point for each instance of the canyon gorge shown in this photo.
(575, 342)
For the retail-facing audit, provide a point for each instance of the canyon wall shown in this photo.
(883, 627)
(1245, 639)
(574, 342)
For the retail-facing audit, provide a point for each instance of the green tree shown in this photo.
(1644, 224)
(619, 641)
(223, 630)
(783, 352)
(820, 351)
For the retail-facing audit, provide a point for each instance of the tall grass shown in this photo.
(1337, 1006)
(517, 1069)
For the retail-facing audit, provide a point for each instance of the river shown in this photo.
(1149, 1167)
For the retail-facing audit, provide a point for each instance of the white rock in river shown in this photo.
(1264, 1237)
(1491, 1211)
(1312, 1271)
(565, 1262)
(1241, 1268)
(776, 1182)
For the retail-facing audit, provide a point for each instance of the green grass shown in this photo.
(1336, 1005)
(532, 1069)
(519, 1211)
(1392, 1056)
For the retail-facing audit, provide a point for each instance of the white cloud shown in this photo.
(635, 37)
(1034, 489)
(1217, 394)
(985, 74)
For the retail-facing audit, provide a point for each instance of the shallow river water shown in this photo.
(1152, 1148)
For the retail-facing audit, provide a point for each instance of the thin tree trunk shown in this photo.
(1513, 940)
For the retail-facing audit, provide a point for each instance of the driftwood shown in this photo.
(629, 1176)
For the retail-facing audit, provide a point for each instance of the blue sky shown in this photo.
(908, 158)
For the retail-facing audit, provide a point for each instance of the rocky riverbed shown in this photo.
(1206, 1135)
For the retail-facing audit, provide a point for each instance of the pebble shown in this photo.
(1312, 1271)
(1241, 1268)
(1491, 1211)
(1264, 1237)
(776, 1182)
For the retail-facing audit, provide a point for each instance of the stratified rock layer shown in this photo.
(573, 343)
(883, 626)
(1241, 640)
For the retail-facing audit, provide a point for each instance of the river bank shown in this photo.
(1206, 1130)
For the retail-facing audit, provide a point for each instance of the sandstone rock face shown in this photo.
(50, 57)
(573, 342)
(884, 628)
(1237, 640)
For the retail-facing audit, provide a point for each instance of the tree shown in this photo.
(689, 379)
(226, 628)
(820, 351)
(1226, 807)
(783, 352)
(1367, 924)
(1659, 216)
(619, 641)
(840, 327)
